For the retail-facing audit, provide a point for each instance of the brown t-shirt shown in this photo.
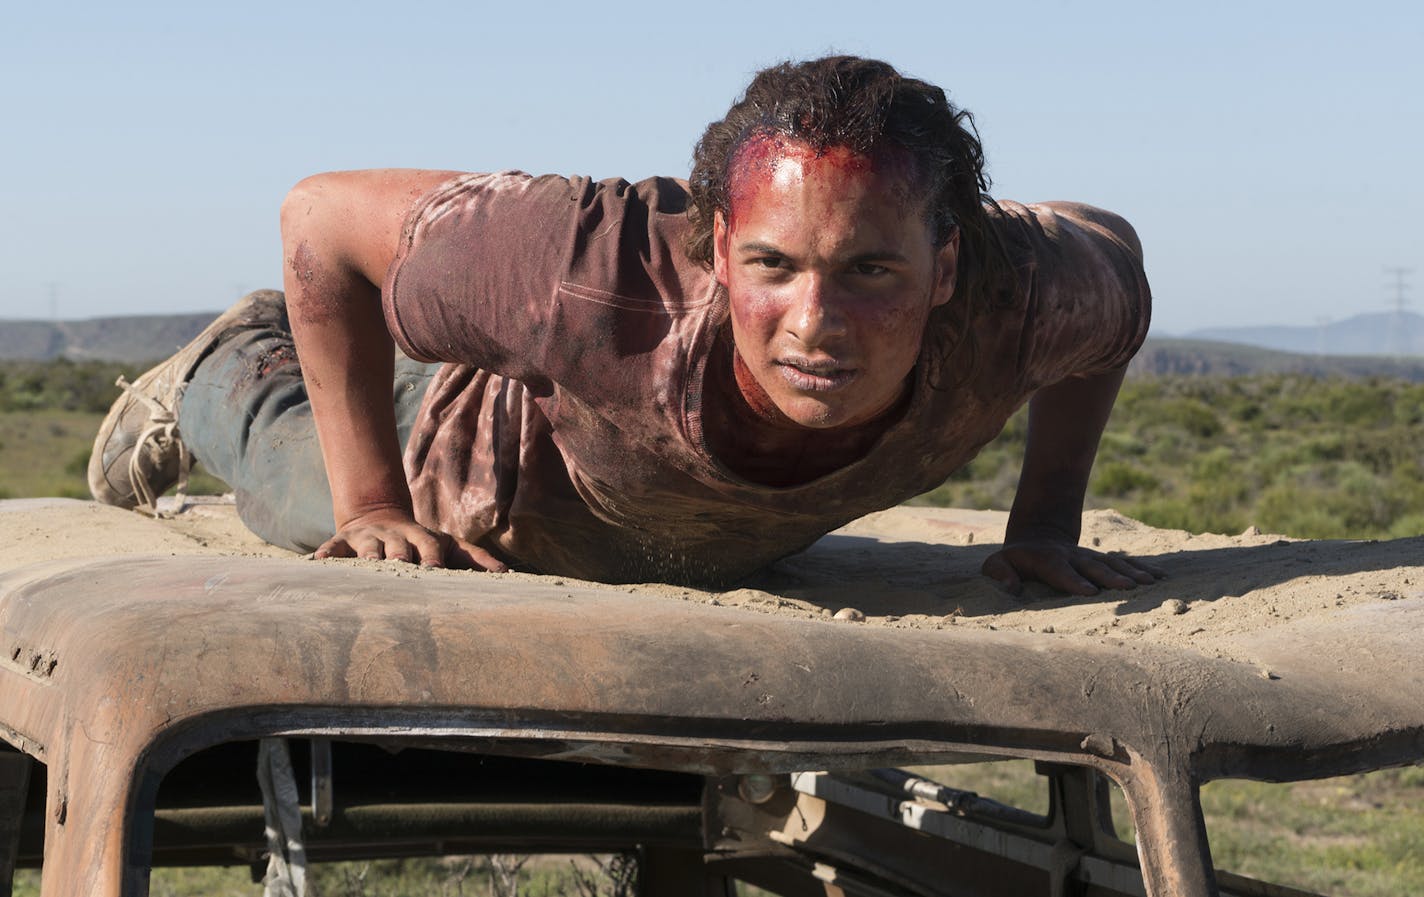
(565, 431)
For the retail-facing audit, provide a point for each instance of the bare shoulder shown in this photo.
(356, 215)
(1111, 222)
(376, 192)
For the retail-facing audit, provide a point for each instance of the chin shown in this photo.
(815, 415)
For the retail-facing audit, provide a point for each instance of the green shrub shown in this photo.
(1193, 416)
(1116, 479)
(1304, 456)
(1405, 527)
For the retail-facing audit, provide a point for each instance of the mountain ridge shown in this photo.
(1389, 333)
(129, 338)
(144, 338)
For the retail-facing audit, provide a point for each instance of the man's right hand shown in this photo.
(340, 234)
(392, 534)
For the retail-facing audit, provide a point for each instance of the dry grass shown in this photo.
(46, 453)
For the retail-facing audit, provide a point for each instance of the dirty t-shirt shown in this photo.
(565, 431)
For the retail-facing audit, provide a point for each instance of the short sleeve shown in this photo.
(479, 259)
(1089, 305)
(543, 279)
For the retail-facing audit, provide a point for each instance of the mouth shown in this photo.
(815, 376)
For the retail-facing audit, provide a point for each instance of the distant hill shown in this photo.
(128, 339)
(1382, 333)
(154, 337)
(1163, 357)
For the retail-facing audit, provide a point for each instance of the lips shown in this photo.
(814, 376)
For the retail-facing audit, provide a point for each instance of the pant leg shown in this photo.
(246, 416)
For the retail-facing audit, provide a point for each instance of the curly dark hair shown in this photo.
(863, 105)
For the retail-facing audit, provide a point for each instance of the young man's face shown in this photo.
(831, 271)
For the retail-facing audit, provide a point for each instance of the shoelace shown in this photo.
(162, 426)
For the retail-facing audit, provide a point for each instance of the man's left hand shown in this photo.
(1066, 567)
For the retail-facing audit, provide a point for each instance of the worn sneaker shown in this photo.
(139, 452)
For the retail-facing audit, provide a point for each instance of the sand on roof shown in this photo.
(906, 567)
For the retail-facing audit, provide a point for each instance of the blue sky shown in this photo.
(1267, 152)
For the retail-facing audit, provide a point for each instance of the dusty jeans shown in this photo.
(245, 415)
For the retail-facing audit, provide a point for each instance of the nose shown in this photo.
(817, 317)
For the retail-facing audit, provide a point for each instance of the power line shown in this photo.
(1399, 333)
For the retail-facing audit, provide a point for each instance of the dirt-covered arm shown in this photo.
(340, 232)
(1065, 424)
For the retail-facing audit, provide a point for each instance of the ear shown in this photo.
(719, 249)
(946, 271)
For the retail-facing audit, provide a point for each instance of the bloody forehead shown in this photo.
(756, 161)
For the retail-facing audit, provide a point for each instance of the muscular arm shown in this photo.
(1065, 423)
(340, 232)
